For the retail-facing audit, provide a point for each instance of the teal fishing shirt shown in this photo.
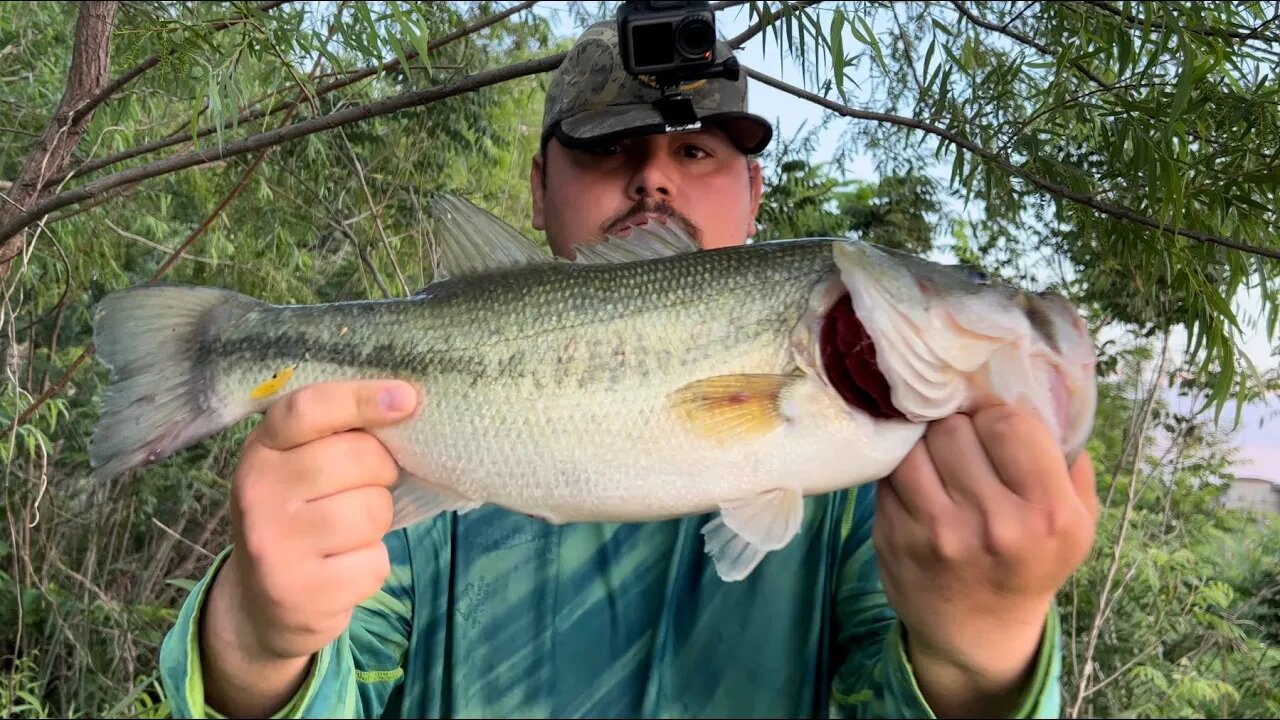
(495, 614)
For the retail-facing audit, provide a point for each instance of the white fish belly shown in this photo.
(619, 456)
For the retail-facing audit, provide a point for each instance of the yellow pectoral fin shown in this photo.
(728, 408)
(272, 385)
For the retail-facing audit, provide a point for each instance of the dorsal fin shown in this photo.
(654, 239)
(470, 239)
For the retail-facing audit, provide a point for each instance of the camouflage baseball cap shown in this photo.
(593, 100)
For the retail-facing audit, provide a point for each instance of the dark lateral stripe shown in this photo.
(389, 357)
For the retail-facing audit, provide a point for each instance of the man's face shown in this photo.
(697, 180)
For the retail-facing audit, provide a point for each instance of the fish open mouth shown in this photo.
(849, 358)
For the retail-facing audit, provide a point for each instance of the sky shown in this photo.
(1259, 452)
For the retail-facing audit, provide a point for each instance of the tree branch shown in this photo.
(759, 26)
(177, 253)
(1115, 211)
(275, 137)
(1124, 668)
(178, 138)
(376, 212)
(1135, 21)
(354, 77)
(90, 63)
(137, 70)
(1030, 42)
(1100, 617)
(1103, 85)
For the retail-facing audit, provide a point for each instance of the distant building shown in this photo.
(1252, 493)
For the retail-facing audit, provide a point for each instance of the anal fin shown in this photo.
(415, 500)
(749, 528)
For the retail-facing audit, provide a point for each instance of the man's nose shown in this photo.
(653, 175)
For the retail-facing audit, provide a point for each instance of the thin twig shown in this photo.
(158, 246)
(363, 252)
(16, 131)
(185, 541)
(375, 211)
(102, 596)
(1134, 21)
(1014, 18)
(94, 203)
(1124, 668)
(1103, 608)
(1028, 41)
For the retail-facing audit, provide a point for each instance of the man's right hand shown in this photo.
(310, 504)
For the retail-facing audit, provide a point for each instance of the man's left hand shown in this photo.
(976, 530)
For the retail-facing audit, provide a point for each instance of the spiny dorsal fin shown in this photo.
(655, 239)
(470, 239)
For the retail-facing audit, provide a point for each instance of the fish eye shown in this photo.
(975, 274)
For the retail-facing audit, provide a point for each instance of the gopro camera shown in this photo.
(666, 37)
(672, 42)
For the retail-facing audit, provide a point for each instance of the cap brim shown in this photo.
(750, 133)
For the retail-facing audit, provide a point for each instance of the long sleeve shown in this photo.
(354, 676)
(873, 676)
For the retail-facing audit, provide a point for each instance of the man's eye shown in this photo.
(605, 149)
(693, 152)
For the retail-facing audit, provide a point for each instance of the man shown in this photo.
(943, 606)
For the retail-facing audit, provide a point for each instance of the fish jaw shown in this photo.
(921, 352)
(946, 344)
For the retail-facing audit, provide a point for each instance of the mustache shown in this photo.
(656, 208)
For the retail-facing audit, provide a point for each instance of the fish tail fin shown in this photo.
(162, 397)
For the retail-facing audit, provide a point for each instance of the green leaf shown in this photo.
(186, 584)
(837, 50)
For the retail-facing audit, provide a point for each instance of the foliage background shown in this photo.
(1167, 110)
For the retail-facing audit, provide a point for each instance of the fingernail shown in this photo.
(395, 399)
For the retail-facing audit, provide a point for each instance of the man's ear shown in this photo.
(756, 179)
(536, 190)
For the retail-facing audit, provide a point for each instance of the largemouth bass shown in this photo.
(644, 380)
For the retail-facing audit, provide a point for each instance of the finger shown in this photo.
(355, 576)
(890, 517)
(337, 463)
(344, 522)
(323, 409)
(890, 511)
(1024, 453)
(919, 489)
(1085, 482)
(961, 462)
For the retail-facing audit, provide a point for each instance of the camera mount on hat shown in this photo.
(670, 43)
